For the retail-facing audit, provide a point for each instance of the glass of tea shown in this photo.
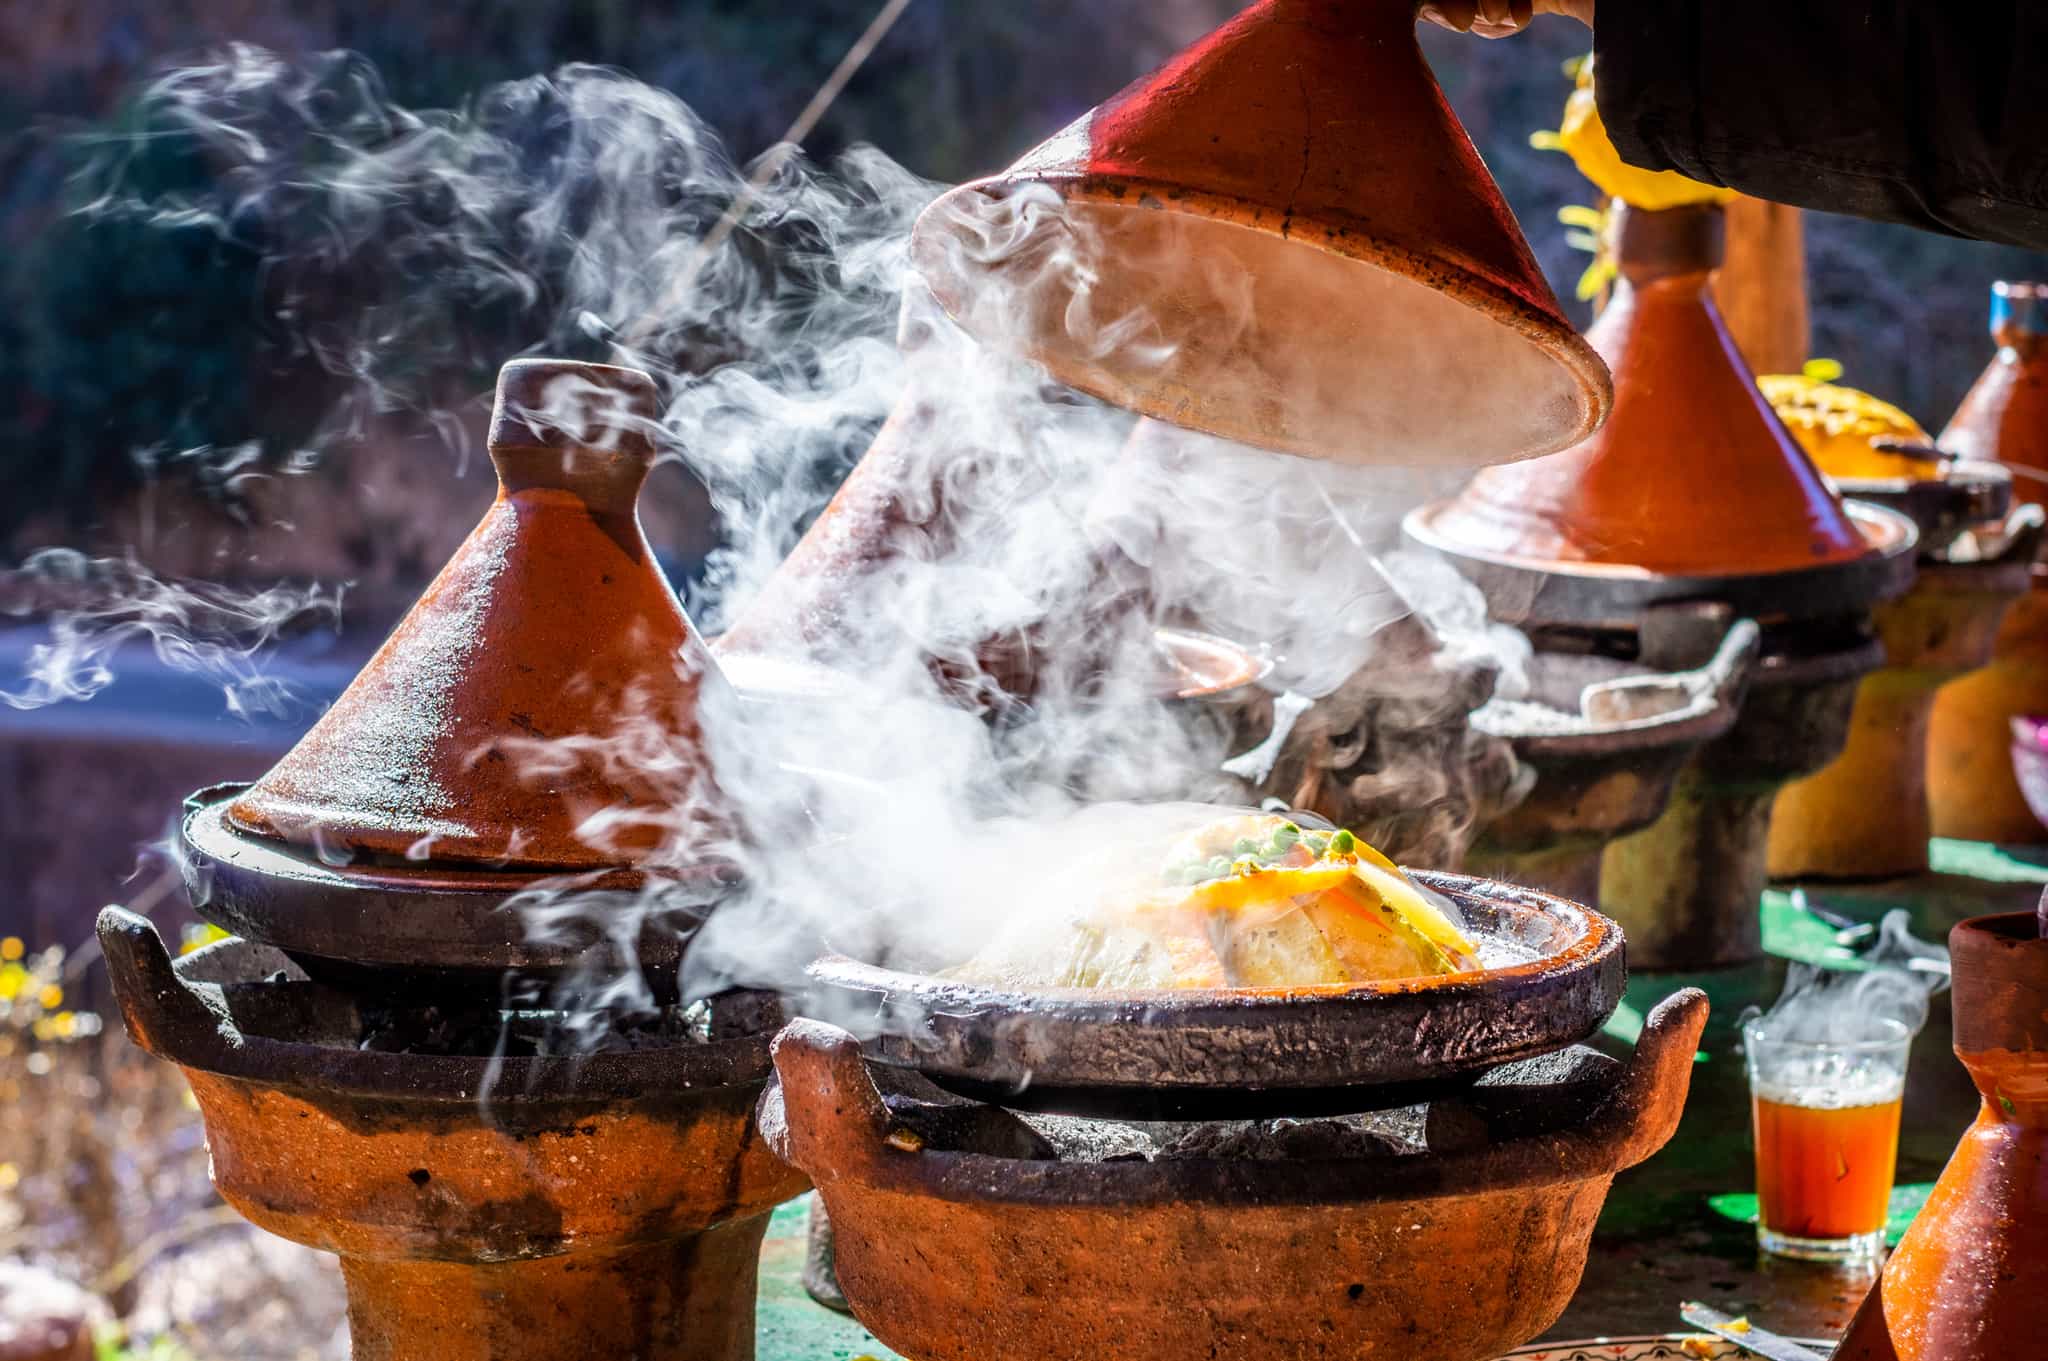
(1826, 1117)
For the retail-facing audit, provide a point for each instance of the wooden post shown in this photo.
(1761, 290)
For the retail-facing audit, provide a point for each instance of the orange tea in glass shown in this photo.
(1826, 1118)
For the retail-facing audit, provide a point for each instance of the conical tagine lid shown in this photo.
(537, 709)
(1693, 475)
(1282, 237)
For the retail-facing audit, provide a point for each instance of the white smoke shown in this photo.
(1886, 991)
(96, 606)
(994, 675)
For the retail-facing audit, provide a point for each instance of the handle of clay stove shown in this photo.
(2023, 533)
(833, 1116)
(165, 1016)
(1644, 1112)
(1730, 667)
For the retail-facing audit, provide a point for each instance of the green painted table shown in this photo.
(790, 1327)
(1659, 1241)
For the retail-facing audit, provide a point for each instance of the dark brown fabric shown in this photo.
(1931, 113)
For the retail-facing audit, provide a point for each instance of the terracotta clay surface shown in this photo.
(587, 1206)
(1865, 814)
(1685, 888)
(488, 728)
(1693, 474)
(1454, 1256)
(2004, 415)
(1969, 1282)
(1282, 237)
(1972, 792)
(1612, 772)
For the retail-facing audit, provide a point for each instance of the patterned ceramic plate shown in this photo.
(1665, 1348)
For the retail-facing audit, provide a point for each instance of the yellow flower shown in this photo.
(11, 948)
(10, 1176)
(1584, 138)
(51, 997)
(203, 934)
(13, 978)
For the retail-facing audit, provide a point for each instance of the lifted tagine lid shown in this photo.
(1284, 238)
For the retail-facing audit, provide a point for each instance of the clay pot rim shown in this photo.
(1598, 935)
(449, 918)
(1252, 665)
(177, 1013)
(1712, 711)
(1889, 533)
(1704, 719)
(1331, 232)
(988, 1179)
(1969, 494)
(2004, 927)
(209, 828)
(1267, 1052)
(1636, 1119)
(1611, 596)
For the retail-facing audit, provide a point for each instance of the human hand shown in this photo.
(1500, 18)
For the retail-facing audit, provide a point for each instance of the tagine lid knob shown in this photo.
(493, 727)
(570, 405)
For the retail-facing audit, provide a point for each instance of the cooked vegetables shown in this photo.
(1848, 433)
(1246, 901)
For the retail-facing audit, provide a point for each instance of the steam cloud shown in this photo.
(1891, 984)
(96, 606)
(874, 786)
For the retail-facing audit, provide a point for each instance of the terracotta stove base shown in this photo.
(681, 1299)
(588, 1207)
(1605, 740)
(1865, 815)
(1686, 888)
(969, 1251)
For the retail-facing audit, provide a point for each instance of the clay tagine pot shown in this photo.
(1228, 243)
(495, 742)
(1970, 785)
(1605, 742)
(1290, 1257)
(1693, 491)
(1969, 1282)
(506, 1171)
(1236, 1053)
(486, 1206)
(848, 595)
(1692, 475)
(1866, 814)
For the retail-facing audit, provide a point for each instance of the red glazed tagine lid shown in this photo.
(538, 708)
(1693, 475)
(1282, 237)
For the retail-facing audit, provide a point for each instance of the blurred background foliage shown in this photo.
(125, 345)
